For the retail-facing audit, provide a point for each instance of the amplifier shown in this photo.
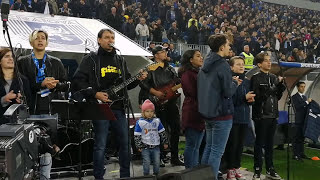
(18, 154)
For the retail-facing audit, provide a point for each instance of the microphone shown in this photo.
(5, 8)
(85, 46)
(112, 45)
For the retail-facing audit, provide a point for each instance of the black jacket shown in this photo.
(268, 92)
(54, 68)
(16, 89)
(300, 105)
(88, 75)
(159, 78)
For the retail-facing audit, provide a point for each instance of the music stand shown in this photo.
(79, 111)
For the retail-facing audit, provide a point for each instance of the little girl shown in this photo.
(148, 133)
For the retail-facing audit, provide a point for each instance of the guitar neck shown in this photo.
(176, 87)
(126, 83)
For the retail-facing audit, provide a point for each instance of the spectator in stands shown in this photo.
(248, 57)
(162, 11)
(101, 10)
(193, 21)
(156, 32)
(193, 33)
(173, 54)
(205, 32)
(151, 46)
(118, 6)
(18, 5)
(54, 6)
(142, 30)
(84, 10)
(174, 33)
(114, 20)
(37, 6)
(182, 19)
(129, 29)
(65, 10)
(171, 15)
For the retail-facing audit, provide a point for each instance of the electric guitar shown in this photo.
(169, 91)
(112, 91)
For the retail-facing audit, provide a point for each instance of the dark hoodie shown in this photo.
(241, 106)
(215, 87)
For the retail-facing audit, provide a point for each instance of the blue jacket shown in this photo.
(312, 122)
(241, 106)
(215, 87)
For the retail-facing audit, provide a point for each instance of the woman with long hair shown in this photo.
(191, 120)
(10, 91)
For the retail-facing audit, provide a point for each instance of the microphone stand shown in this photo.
(126, 100)
(288, 129)
(16, 69)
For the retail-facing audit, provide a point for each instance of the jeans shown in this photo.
(217, 133)
(45, 166)
(143, 38)
(193, 142)
(265, 130)
(151, 155)
(101, 130)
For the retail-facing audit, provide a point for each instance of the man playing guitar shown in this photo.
(168, 112)
(100, 71)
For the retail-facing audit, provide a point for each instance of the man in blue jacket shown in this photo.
(215, 89)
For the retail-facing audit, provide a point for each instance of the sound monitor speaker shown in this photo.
(202, 172)
(149, 177)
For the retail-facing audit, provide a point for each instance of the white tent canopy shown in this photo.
(66, 34)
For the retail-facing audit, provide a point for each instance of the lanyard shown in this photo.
(41, 74)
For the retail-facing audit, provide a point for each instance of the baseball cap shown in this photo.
(158, 48)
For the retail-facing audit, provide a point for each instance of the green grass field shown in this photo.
(306, 170)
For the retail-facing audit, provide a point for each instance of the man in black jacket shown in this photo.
(268, 89)
(300, 104)
(100, 70)
(169, 112)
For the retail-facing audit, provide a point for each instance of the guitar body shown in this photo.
(170, 92)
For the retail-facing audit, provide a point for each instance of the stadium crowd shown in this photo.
(293, 32)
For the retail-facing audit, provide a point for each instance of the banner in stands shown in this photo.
(66, 34)
(299, 65)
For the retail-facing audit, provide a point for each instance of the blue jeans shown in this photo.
(101, 130)
(45, 166)
(217, 134)
(193, 142)
(149, 155)
(143, 38)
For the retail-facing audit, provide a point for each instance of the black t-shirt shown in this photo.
(109, 69)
